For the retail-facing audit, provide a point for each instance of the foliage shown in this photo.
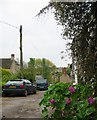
(79, 21)
(69, 102)
(80, 28)
(68, 71)
(47, 69)
(35, 67)
(57, 75)
(31, 69)
(38, 66)
(6, 75)
(27, 74)
(42, 67)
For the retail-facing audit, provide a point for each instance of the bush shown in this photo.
(5, 76)
(26, 74)
(68, 71)
(69, 102)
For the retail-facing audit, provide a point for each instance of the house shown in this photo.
(9, 63)
(62, 69)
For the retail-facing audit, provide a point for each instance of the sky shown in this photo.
(41, 35)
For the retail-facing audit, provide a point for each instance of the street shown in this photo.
(22, 107)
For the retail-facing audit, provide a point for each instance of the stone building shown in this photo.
(9, 63)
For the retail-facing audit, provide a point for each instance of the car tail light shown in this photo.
(21, 86)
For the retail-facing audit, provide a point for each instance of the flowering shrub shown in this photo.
(69, 102)
(52, 101)
(91, 100)
(71, 89)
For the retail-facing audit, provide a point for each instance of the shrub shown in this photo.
(6, 75)
(26, 74)
(68, 71)
(69, 102)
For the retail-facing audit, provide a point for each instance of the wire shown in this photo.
(9, 24)
(34, 46)
(23, 32)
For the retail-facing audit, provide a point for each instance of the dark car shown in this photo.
(19, 87)
(42, 84)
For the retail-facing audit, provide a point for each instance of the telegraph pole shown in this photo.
(21, 52)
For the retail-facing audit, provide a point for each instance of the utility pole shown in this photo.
(21, 53)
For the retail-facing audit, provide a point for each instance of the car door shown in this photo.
(28, 86)
(33, 88)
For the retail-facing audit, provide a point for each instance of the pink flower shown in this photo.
(91, 100)
(52, 101)
(71, 89)
(68, 101)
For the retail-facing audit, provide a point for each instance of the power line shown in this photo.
(34, 45)
(9, 24)
(23, 33)
(18, 28)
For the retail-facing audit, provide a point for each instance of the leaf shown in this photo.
(79, 115)
(89, 111)
(67, 92)
(45, 112)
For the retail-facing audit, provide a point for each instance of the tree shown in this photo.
(48, 69)
(38, 66)
(31, 68)
(79, 21)
(42, 67)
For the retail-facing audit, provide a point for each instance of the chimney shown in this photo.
(12, 56)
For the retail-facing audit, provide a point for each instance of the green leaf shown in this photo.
(45, 112)
(67, 92)
(89, 111)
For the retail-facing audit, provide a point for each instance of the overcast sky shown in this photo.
(41, 36)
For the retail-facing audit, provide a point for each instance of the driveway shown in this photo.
(22, 107)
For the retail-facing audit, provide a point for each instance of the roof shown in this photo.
(38, 77)
(6, 63)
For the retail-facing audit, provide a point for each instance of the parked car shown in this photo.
(19, 86)
(42, 84)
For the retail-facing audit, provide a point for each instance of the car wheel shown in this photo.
(4, 95)
(34, 92)
(25, 93)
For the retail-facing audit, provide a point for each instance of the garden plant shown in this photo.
(69, 102)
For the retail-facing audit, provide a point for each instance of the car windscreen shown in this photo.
(41, 81)
(14, 82)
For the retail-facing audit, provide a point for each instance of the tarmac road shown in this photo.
(22, 107)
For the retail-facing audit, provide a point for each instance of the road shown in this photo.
(22, 107)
